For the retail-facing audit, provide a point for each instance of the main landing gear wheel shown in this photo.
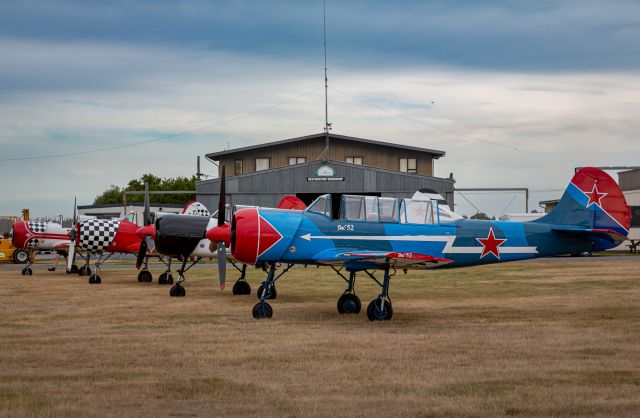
(349, 303)
(95, 279)
(374, 313)
(20, 256)
(84, 271)
(241, 287)
(262, 310)
(27, 271)
(177, 291)
(165, 278)
(145, 276)
(272, 293)
(73, 269)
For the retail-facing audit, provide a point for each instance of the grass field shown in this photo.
(544, 338)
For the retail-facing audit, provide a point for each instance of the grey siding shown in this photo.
(266, 188)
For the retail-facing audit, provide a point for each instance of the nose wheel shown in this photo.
(177, 291)
(241, 286)
(165, 278)
(27, 271)
(145, 276)
(349, 303)
(268, 291)
(380, 309)
(95, 279)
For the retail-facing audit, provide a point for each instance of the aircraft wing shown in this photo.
(395, 259)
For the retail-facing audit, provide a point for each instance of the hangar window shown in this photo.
(297, 160)
(238, 167)
(408, 165)
(354, 160)
(262, 164)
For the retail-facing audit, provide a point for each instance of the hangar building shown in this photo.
(314, 165)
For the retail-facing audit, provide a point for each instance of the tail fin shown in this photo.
(592, 201)
(195, 208)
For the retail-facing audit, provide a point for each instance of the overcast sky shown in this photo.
(530, 90)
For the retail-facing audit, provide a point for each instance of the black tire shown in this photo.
(145, 276)
(177, 292)
(95, 279)
(73, 270)
(375, 314)
(162, 278)
(84, 271)
(349, 303)
(262, 310)
(20, 256)
(271, 294)
(169, 278)
(241, 287)
(27, 271)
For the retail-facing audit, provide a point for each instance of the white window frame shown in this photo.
(297, 160)
(409, 165)
(262, 160)
(353, 160)
(235, 167)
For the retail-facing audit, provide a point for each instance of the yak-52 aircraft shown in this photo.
(39, 236)
(377, 233)
(184, 238)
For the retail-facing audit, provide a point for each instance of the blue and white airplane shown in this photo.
(377, 233)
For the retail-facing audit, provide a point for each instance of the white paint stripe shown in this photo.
(448, 239)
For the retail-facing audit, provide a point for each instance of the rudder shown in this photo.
(592, 200)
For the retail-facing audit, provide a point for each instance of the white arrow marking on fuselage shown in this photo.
(448, 239)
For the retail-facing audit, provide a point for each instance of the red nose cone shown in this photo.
(254, 236)
(146, 230)
(20, 231)
(220, 233)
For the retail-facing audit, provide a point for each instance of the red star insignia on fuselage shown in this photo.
(595, 196)
(491, 244)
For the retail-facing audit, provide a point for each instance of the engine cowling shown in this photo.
(178, 235)
(19, 234)
(251, 235)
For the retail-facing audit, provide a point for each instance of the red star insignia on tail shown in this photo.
(595, 196)
(491, 244)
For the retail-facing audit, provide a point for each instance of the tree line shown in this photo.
(115, 195)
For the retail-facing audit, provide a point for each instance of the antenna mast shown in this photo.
(327, 125)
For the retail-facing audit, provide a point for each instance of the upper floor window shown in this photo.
(408, 165)
(238, 169)
(262, 164)
(297, 160)
(354, 160)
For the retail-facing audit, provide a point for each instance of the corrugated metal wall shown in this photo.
(268, 187)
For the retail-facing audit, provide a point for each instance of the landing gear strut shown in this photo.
(27, 270)
(349, 303)
(144, 276)
(94, 278)
(380, 309)
(177, 290)
(241, 286)
(166, 277)
(262, 309)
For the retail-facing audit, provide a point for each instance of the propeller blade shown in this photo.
(222, 264)
(71, 255)
(142, 252)
(147, 210)
(222, 203)
(151, 244)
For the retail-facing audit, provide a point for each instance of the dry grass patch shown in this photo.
(540, 338)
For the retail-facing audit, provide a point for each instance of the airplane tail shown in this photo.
(592, 202)
(195, 208)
